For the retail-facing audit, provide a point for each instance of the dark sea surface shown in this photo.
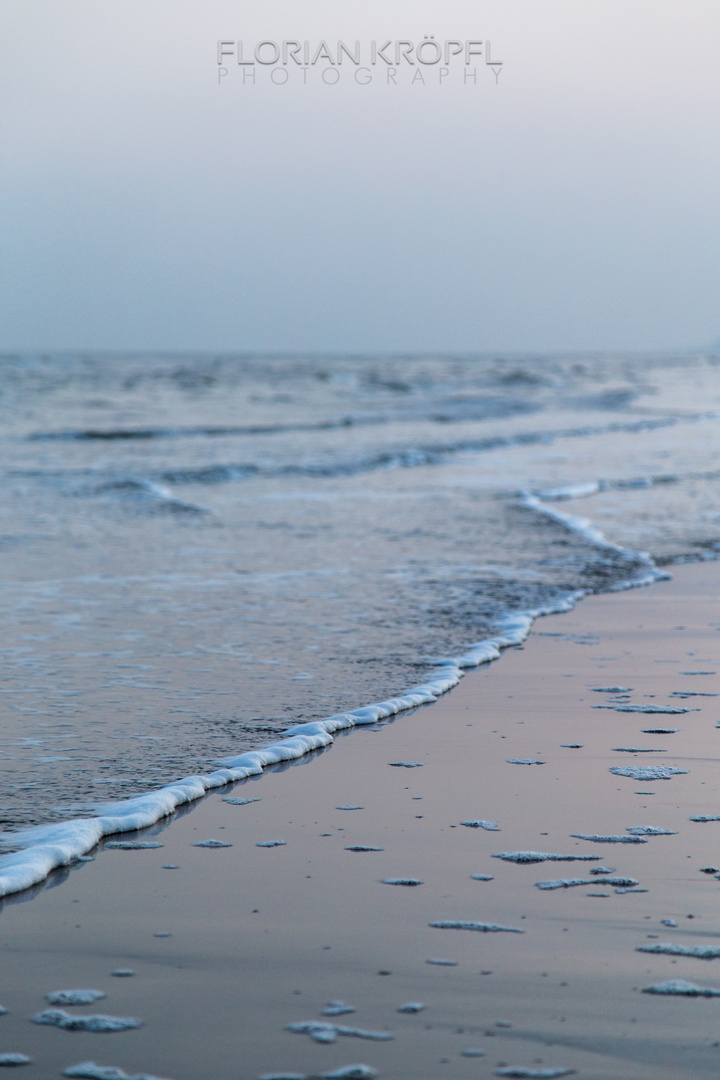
(198, 551)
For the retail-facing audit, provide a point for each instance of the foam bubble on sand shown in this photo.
(483, 928)
(648, 772)
(283, 1076)
(636, 750)
(700, 952)
(480, 823)
(346, 1072)
(411, 1007)
(705, 817)
(122, 973)
(406, 764)
(349, 807)
(363, 847)
(599, 839)
(602, 870)
(337, 1008)
(60, 1018)
(400, 881)
(541, 856)
(74, 997)
(660, 730)
(569, 883)
(39, 850)
(271, 843)
(327, 1033)
(3, 1010)
(482, 877)
(239, 802)
(132, 845)
(441, 963)
(612, 689)
(524, 761)
(537, 1074)
(472, 1051)
(650, 830)
(672, 710)
(14, 1059)
(682, 988)
(211, 843)
(350, 1072)
(88, 1070)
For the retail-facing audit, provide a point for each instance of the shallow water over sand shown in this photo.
(198, 551)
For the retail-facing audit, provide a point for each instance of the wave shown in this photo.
(41, 850)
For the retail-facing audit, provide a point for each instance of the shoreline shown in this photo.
(263, 938)
(35, 852)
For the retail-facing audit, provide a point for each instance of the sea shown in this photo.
(202, 551)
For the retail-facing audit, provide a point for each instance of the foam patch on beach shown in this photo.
(699, 952)
(88, 1070)
(74, 997)
(60, 1018)
(481, 927)
(541, 856)
(681, 988)
(648, 772)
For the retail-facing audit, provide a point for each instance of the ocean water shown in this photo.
(201, 551)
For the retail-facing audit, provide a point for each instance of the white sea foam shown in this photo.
(345, 1072)
(670, 710)
(648, 772)
(74, 997)
(584, 528)
(88, 1070)
(541, 856)
(60, 1018)
(599, 839)
(479, 823)
(682, 988)
(650, 830)
(401, 881)
(132, 845)
(700, 952)
(338, 1008)
(328, 1033)
(411, 1007)
(483, 928)
(570, 883)
(532, 1074)
(43, 848)
(14, 1059)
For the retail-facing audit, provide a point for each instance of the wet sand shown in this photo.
(261, 937)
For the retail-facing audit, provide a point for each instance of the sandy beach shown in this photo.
(229, 945)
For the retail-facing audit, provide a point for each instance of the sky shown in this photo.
(558, 193)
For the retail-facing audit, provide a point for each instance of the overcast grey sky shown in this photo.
(567, 200)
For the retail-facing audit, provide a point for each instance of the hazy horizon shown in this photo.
(564, 201)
